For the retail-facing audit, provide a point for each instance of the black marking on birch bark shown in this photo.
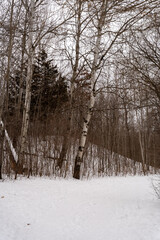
(81, 148)
(79, 160)
(84, 132)
(85, 121)
(87, 125)
(94, 92)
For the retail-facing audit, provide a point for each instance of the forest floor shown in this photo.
(111, 208)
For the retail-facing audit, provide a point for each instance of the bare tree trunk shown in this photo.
(12, 152)
(10, 46)
(142, 152)
(73, 78)
(129, 152)
(2, 96)
(79, 157)
(22, 67)
(25, 122)
(5, 84)
(1, 148)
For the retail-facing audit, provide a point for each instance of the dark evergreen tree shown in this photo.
(49, 88)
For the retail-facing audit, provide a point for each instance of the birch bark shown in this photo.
(22, 66)
(1, 147)
(25, 122)
(5, 85)
(79, 157)
(10, 46)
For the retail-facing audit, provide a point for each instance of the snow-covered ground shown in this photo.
(113, 208)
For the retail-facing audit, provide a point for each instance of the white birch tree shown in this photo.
(91, 103)
(31, 50)
(37, 32)
(107, 12)
(74, 61)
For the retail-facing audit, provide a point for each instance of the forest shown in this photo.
(79, 88)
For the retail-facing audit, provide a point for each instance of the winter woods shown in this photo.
(80, 88)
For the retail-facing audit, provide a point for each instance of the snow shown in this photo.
(111, 208)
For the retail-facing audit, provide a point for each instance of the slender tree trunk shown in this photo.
(142, 152)
(5, 85)
(1, 147)
(2, 96)
(129, 152)
(79, 157)
(22, 68)
(25, 122)
(10, 46)
(73, 78)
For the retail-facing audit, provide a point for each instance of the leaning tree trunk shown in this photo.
(86, 122)
(25, 122)
(4, 86)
